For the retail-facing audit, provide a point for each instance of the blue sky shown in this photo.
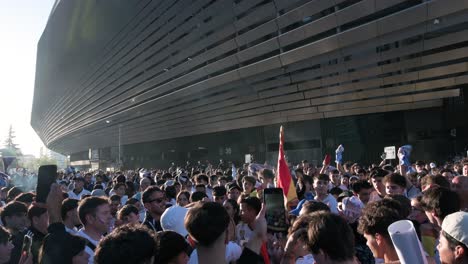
(21, 25)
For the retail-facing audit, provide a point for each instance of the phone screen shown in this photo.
(47, 176)
(275, 212)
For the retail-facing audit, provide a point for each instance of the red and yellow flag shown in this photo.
(283, 176)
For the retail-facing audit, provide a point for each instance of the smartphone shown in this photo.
(275, 211)
(327, 159)
(47, 176)
(27, 243)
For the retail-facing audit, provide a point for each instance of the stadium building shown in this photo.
(153, 82)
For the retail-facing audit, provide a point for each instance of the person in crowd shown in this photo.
(120, 190)
(128, 214)
(248, 183)
(95, 215)
(219, 194)
(395, 184)
(420, 166)
(465, 167)
(207, 225)
(88, 182)
(448, 174)
(15, 220)
(26, 198)
(362, 190)
(127, 244)
(183, 198)
(453, 244)
(145, 182)
(266, 177)
(233, 209)
(460, 186)
(438, 202)
(78, 191)
(376, 177)
(344, 182)
(321, 183)
(330, 239)
(199, 196)
(429, 233)
(429, 181)
(6, 247)
(154, 202)
(234, 192)
(334, 179)
(13, 193)
(39, 219)
(69, 213)
(373, 224)
(171, 248)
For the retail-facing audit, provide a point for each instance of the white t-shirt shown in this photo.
(331, 202)
(88, 250)
(73, 195)
(243, 233)
(233, 253)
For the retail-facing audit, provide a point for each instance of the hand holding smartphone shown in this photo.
(275, 211)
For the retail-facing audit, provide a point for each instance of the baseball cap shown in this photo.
(173, 219)
(456, 225)
(432, 165)
(98, 193)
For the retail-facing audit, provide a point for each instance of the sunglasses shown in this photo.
(157, 200)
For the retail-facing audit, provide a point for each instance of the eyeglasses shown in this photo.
(157, 200)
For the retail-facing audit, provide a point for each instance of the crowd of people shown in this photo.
(207, 214)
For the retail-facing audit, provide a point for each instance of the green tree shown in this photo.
(10, 145)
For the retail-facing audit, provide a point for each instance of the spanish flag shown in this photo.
(283, 176)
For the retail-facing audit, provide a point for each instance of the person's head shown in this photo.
(395, 183)
(448, 174)
(321, 184)
(127, 244)
(39, 218)
(420, 165)
(460, 186)
(219, 194)
(200, 188)
(313, 206)
(183, 198)
(330, 238)
(120, 189)
(95, 213)
(129, 214)
(145, 182)
(201, 179)
(335, 177)
(5, 245)
(198, 196)
(438, 202)
(114, 204)
(377, 176)
(266, 176)
(429, 181)
(417, 212)
(249, 209)
(14, 216)
(345, 180)
(79, 183)
(12, 193)
(234, 192)
(207, 223)
(373, 224)
(171, 248)
(73, 251)
(413, 178)
(465, 168)
(453, 241)
(403, 201)
(248, 183)
(336, 192)
(26, 198)
(69, 211)
(232, 208)
(154, 200)
(362, 189)
(222, 181)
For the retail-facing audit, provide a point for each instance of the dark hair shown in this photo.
(267, 173)
(120, 179)
(336, 191)
(132, 201)
(440, 200)
(219, 191)
(405, 204)
(378, 216)
(12, 209)
(126, 244)
(395, 178)
(148, 192)
(171, 192)
(186, 193)
(253, 202)
(115, 198)
(120, 184)
(359, 185)
(201, 177)
(13, 192)
(67, 206)
(25, 197)
(331, 234)
(35, 211)
(73, 246)
(197, 196)
(314, 206)
(378, 173)
(200, 185)
(4, 235)
(250, 179)
(321, 177)
(169, 245)
(126, 210)
(205, 222)
(89, 206)
(235, 206)
(435, 179)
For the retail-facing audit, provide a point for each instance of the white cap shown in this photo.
(173, 219)
(432, 165)
(456, 225)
